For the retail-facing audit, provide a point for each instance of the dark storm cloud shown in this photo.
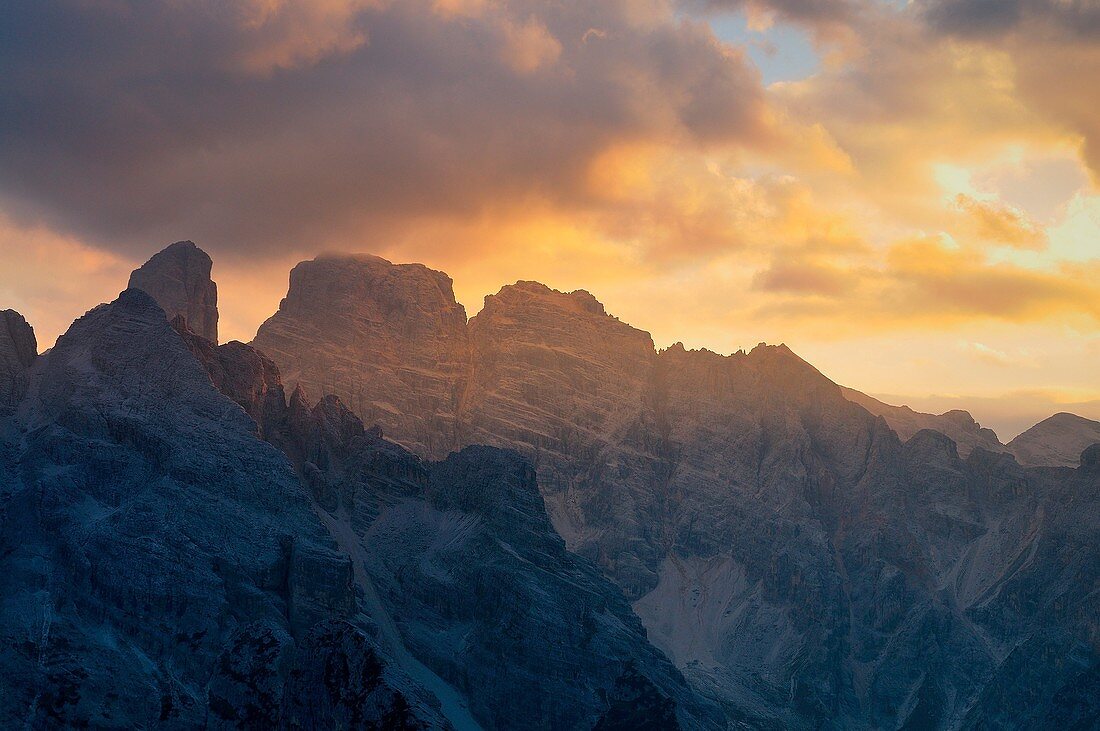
(820, 15)
(257, 122)
(993, 17)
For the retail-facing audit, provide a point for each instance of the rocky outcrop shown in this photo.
(796, 559)
(340, 680)
(959, 425)
(1056, 441)
(468, 582)
(151, 547)
(178, 278)
(389, 340)
(469, 588)
(244, 374)
(18, 349)
(569, 386)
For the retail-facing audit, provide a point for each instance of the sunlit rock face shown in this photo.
(570, 387)
(182, 546)
(1055, 442)
(957, 424)
(389, 340)
(792, 555)
(18, 349)
(178, 278)
(474, 592)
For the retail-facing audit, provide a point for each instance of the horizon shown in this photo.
(905, 193)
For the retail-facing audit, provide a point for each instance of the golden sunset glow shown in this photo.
(913, 207)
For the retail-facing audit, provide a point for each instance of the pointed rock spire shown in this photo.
(18, 349)
(178, 278)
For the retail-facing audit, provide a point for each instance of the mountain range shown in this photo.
(531, 518)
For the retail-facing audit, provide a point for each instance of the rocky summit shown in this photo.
(178, 278)
(18, 349)
(1057, 441)
(804, 562)
(406, 322)
(182, 545)
(957, 424)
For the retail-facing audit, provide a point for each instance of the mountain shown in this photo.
(1056, 441)
(404, 317)
(18, 349)
(461, 560)
(797, 561)
(160, 565)
(182, 545)
(959, 425)
(178, 278)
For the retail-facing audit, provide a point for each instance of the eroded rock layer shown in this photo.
(182, 546)
(795, 558)
(389, 340)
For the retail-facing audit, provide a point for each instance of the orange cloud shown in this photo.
(937, 280)
(1000, 225)
(528, 46)
(807, 278)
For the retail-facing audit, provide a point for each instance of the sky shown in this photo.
(906, 193)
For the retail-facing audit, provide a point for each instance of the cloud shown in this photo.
(1054, 49)
(48, 298)
(808, 278)
(828, 18)
(263, 126)
(936, 280)
(993, 356)
(529, 46)
(991, 18)
(618, 146)
(1000, 224)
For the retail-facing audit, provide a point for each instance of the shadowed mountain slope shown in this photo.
(958, 425)
(791, 554)
(181, 545)
(159, 564)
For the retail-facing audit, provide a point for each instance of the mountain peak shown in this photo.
(178, 278)
(1056, 441)
(578, 300)
(16, 333)
(18, 349)
(957, 424)
(389, 339)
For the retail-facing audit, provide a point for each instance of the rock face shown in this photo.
(461, 555)
(956, 424)
(154, 554)
(1055, 442)
(471, 587)
(569, 386)
(162, 565)
(389, 340)
(795, 559)
(178, 278)
(18, 349)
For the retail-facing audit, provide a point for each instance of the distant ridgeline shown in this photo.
(561, 528)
